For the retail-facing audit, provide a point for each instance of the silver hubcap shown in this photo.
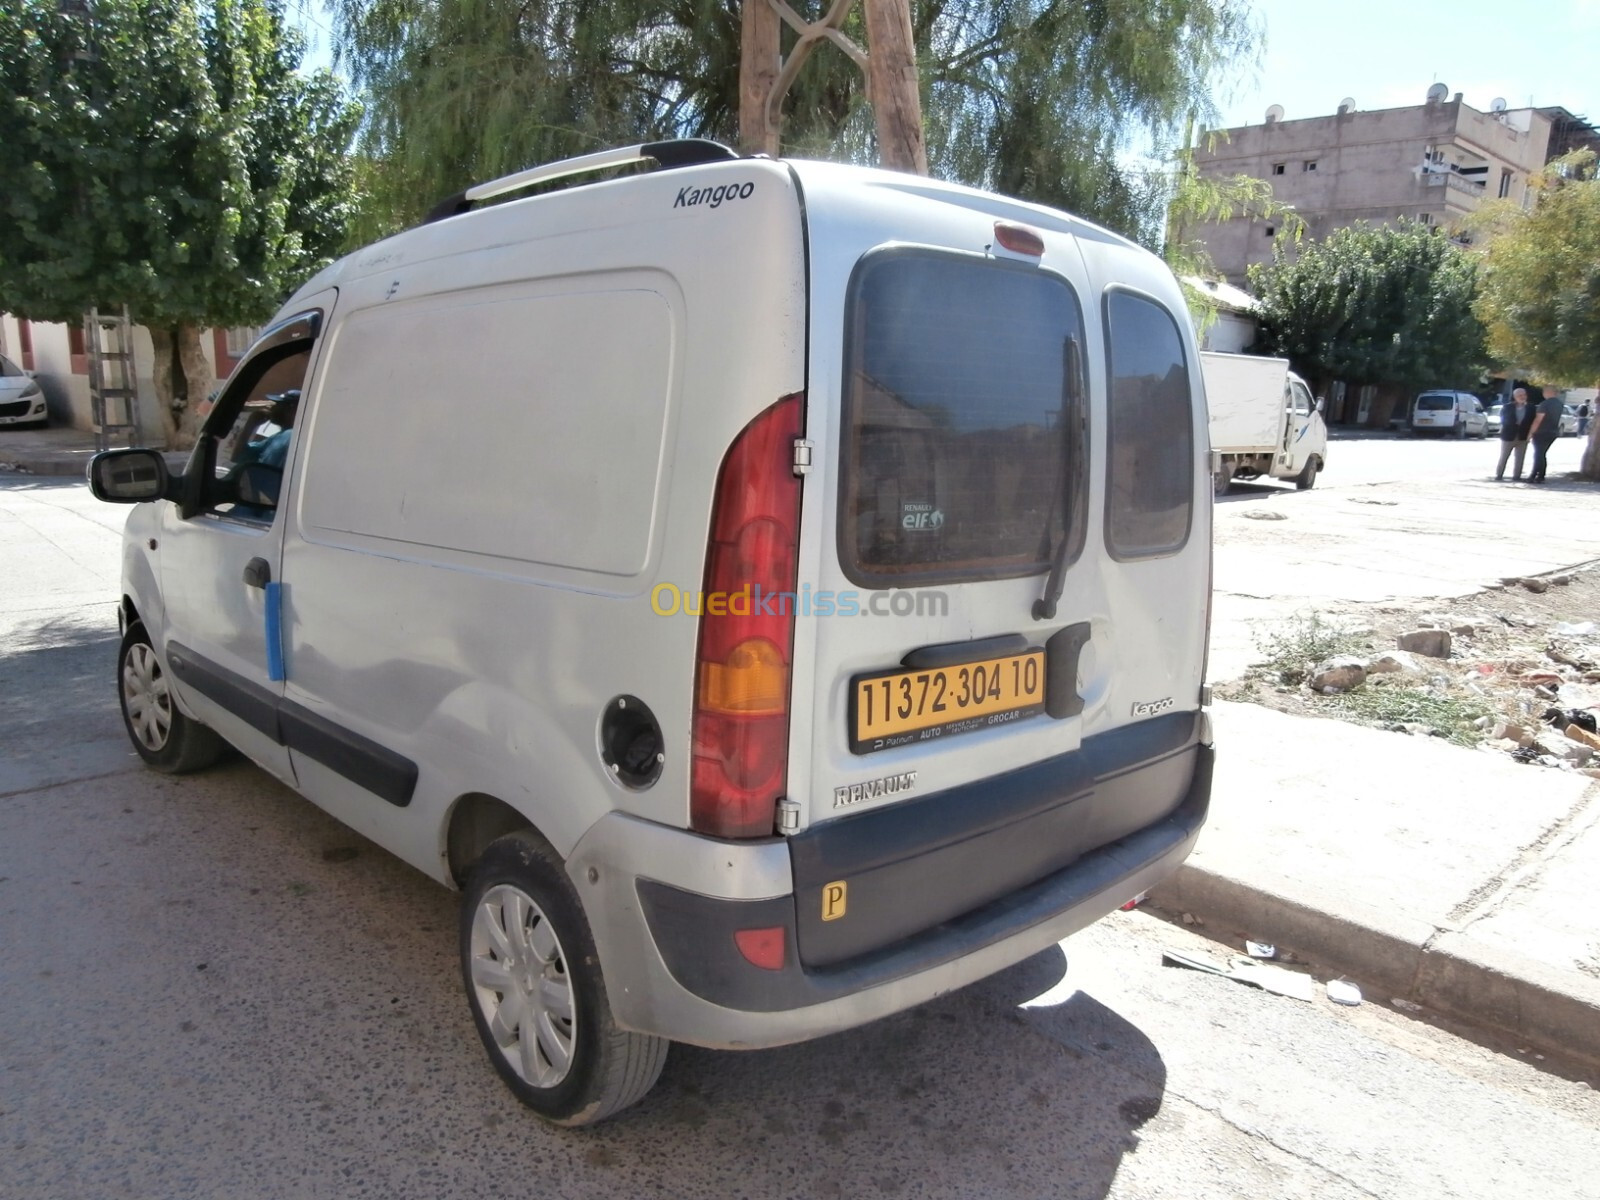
(519, 975)
(145, 695)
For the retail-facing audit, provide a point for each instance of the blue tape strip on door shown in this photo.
(274, 619)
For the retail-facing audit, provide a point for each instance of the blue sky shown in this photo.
(1384, 53)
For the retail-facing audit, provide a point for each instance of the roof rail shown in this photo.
(680, 152)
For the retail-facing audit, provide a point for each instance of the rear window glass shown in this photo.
(1436, 403)
(1150, 490)
(964, 426)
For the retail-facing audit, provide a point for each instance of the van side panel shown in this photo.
(561, 402)
(501, 485)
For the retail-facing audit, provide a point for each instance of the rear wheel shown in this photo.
(536, 992)
(1307, 479)
(1221, 481)
(164, 737)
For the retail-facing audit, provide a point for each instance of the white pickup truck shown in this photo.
(1263, 421)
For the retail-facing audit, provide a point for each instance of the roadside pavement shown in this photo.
(57, 451)
(1434, 875)
(1429, 873)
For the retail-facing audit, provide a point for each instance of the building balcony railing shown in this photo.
(1454, 182)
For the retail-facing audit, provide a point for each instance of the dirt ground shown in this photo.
(1523, 666)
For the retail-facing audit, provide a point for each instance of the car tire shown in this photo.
(162, 735)
(1307, 479)
(1461, 431)
(1221, 481)
(528, 961)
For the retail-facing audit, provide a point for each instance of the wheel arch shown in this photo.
(476, 820)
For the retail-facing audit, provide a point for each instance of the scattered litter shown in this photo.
(1266, 514)
(1410, 1006)
(1135, 902)
(1534, 585)
(1575, 628)
(1562, 717)
(1191, 919)
(1243, 969)
(1342, 991)
(1261, 950)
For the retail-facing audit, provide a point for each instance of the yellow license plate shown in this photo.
(895, 708)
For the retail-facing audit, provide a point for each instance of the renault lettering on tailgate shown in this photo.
(896, 708)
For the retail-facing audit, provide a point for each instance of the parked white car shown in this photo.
(594, 649)
(21, 399)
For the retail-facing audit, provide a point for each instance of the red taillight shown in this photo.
(741, 687)
(763, 947)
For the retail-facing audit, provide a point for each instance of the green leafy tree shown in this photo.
(1389, 305)
(1034, 99)
(167, 156)
(1540, 295)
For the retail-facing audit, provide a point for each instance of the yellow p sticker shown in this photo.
(833, 900)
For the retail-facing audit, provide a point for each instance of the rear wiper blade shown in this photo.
(1044, 608)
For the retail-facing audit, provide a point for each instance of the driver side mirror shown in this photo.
(130, 476)
(1321, 404)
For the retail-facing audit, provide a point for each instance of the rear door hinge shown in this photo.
(802, 456)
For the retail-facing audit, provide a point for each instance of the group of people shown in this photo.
(1521, 423)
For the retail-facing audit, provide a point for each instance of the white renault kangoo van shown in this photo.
(802, 614)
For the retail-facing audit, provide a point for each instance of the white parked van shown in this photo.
(801, 614)
(1455, 414)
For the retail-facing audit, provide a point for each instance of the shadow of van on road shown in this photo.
(58, 694)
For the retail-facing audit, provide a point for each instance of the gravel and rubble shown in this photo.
(1513, 670)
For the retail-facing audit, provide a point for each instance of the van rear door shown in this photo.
(957, 400)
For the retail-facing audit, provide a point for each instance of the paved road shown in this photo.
(1385, 459)
(210, 989)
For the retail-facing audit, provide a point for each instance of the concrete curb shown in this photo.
(1441, 969)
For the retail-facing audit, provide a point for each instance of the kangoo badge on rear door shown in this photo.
(1149, 708)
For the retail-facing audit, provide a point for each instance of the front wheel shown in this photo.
(165, 738)
(1307, 479)
(536, 992)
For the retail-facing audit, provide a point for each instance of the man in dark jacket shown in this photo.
(1514, 421)
(1546, 428)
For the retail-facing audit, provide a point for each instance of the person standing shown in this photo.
(1543, 432)
(1583, 418)
(1514, 421)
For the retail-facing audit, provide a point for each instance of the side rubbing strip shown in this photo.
(254, 705)
(388, 775)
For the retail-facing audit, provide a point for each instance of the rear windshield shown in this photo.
(964, 426)
(1435, 403)
(1150, 456)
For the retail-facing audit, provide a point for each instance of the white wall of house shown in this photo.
(1230, 333)
(66, 381)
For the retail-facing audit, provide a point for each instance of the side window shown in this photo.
(1302, 400)
(246, 439)
(1150, 485)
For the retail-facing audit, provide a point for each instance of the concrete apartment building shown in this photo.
(1434, 162)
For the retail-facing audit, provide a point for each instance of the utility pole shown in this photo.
(889, 64)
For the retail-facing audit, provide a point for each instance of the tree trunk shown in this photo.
(758, 71)
(892, 85)
(182, 379)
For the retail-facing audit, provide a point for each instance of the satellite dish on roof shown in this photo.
(1348, 104)
(1437, 93)
(1497, 105)
(1275, 113)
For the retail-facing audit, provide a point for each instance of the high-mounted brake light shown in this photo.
(741, 690)
(1019, 239)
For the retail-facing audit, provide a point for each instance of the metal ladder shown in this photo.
(113, 380)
